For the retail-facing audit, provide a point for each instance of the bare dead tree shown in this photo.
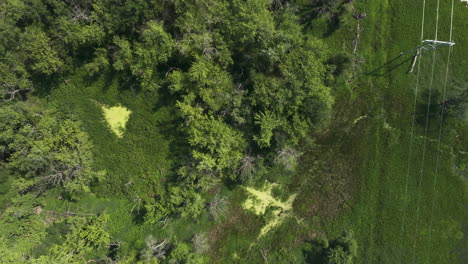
(61, 174)
(208, 48)
(154, 248)
(68, 213)
(200, 243)
(288, 157)
(14, 93)
(264, 253)
(137, 203)
(218, 207)
(115, 244)
(80, 14)
(79, 11)
(55, 179)
(247, 168)
(276, 4)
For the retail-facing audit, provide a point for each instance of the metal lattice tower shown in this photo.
(427, 45)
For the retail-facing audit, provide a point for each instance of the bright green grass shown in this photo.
(116, 117)
(261, 199)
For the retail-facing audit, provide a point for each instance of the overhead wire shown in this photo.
(434, 191)
(423, 157)
(402, 228)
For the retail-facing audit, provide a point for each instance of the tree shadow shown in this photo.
(340, 63)
(138, 215)
(428, 110)
(44, 84)
(315, 253)
(332, 26)
(332, 10)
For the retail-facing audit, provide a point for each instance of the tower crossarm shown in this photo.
(427, 45)
(438, 42)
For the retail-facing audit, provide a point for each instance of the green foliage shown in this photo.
(338, 256)
(222, 92)
(217, 145)
(184, 201)
(267, 122)
(182, 254)
(81, 28)
(45, 150)
(155, 49)
(100, 62)
(14, 9)
(87, 235)
(123, 57)
(22, 229)
(212, 84)
(37, 45)
(343, 250)
(143, 57)
(212, 80)
(296, 98)
(15, 79)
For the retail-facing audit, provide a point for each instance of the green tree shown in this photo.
(99, 63)
(184, 201)
(267, 122)
(38, 48)
(154, 49)
(22, 229)
(343, 250)
(46, 150)
(338, 255)
(88, 238)
(216, 145)
(142, 57)
(15, 79)
(183, 254)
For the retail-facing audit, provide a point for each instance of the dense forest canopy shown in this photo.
(221, 95)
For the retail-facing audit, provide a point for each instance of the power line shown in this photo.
(440, 130)
(402, 228)
(418, 207)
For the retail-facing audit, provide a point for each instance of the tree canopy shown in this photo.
(243, 81)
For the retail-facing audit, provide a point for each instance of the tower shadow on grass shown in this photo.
(390, 66)
(387, 67)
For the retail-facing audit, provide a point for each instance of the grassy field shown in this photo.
(392, 214)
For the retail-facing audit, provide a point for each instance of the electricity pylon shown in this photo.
(427, 45)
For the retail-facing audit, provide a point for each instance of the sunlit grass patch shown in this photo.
(116, 117)
(261, 200)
